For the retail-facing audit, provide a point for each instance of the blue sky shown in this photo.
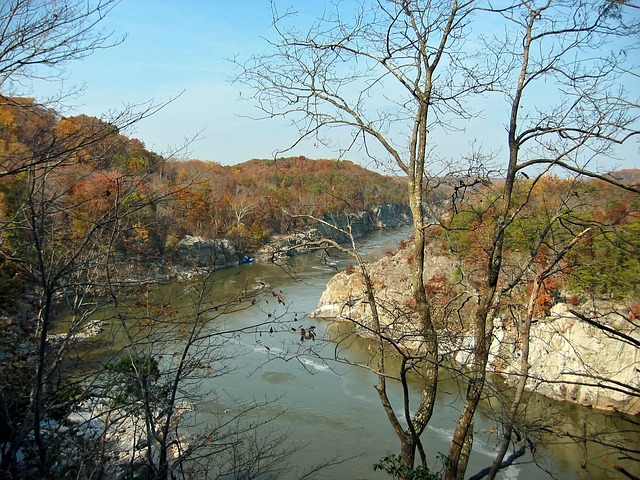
(182, 49)
(179, 48)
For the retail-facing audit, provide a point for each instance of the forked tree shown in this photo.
(397, 74)
(72, 201)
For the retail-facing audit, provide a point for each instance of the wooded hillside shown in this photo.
(252, 200)
(95, 165)
(78, 174)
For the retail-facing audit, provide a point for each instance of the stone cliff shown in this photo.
(358, 224)
(364, 223)
(204, 252)
(570, 359)
(200, 252)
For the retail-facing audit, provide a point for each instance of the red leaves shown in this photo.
(308, 334)
(616, 213)
(543, 304)
(437, 284)
(279, 297)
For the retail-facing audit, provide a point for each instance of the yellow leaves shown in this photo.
(137, 164)
(7, 117)
(12, 149)
(67, 128)
(13, 154)
(140, 233)
(74, 135)
(3, 207)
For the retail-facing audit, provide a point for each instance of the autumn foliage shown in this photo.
(88, 173)
(551, 212)
(257, 198)
(97, 168)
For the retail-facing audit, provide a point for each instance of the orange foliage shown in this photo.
(97, 192)
(437, 285)
(616, 213)
(543, 304)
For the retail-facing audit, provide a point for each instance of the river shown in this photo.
(332, 409)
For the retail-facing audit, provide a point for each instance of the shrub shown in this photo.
(573, 300)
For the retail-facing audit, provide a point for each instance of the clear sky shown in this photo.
(181, 48)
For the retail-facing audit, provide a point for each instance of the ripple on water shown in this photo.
(276, 378)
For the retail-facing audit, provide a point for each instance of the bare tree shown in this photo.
(395, 74)
(323, 79)
(573, 130)
(39, 38)
(58, 243)
(61, 242)
(173, 348)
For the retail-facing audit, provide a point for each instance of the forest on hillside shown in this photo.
(79, 200)
(605, 265)
(537, 216)
(84, 212)
(96, 167)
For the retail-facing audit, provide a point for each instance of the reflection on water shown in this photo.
(275, 378)
(332, 408)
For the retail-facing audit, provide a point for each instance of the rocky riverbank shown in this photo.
(338, 228)
(203, 253)
(570, 359)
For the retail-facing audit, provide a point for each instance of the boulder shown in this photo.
(570, 359)
(204, 252)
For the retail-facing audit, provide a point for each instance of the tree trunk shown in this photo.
(462, 440)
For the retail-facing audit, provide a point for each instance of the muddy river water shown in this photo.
(331, 408)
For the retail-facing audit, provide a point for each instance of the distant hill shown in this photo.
(627, 176)
(245, 202)
(334, 184)
(252, 200)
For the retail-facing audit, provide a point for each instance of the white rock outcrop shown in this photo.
(569, 358)
(572, 360)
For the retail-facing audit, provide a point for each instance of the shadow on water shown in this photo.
(332, 408)
(247, 476)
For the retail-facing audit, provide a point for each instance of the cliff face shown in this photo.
(570, 359)
(364, 223)
(203, 252)
(200, 252)
(359, 224)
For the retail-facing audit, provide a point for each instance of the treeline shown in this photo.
(253, 200)
(83, 208)
(87, 167)
(72, 172)
(584, 234)
(67, 181)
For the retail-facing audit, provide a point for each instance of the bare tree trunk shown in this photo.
(462, 441)
(523, 375)
(525, 333)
